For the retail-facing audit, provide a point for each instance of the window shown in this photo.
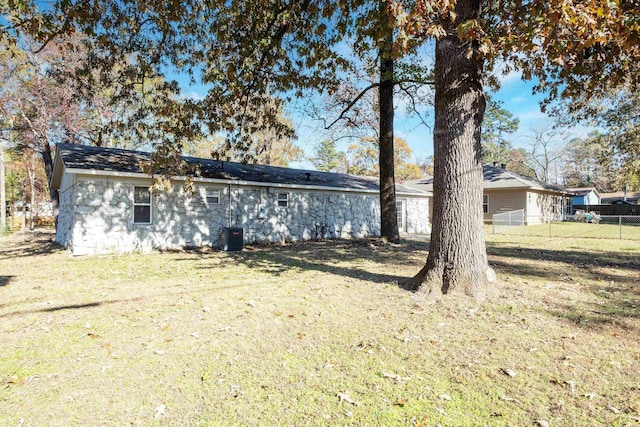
(141, 205)
(213, 196)
(283, 200)
(556, 207)
(485, 203)
(400, 214)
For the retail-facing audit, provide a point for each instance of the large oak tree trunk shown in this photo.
(388, 217)
(457, 260)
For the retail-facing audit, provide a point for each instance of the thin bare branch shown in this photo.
(413, 104)
(351, 104)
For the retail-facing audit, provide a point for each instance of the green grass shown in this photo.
(577, 230)
(318, 334)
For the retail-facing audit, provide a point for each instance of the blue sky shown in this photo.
(516, 96)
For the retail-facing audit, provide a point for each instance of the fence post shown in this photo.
(620, 225)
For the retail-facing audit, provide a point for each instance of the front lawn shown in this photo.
(318, 333)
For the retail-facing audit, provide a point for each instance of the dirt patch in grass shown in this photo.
(317, 333)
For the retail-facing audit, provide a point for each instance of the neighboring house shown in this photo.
(41, 209)
(506, 191)
(106, 205)
(620, 197)
(586, 196)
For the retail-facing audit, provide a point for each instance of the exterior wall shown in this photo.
(501, 201)
(540, 207)
(417, 215)
(65, 211)
(590, 198)
(309, 214)
(97, 215)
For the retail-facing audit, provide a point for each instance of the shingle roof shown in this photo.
(115, 160)
(582, 191)
(608, 198)
(496, 178)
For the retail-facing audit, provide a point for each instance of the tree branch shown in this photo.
(351, 104)
(419, 82)
(53, 35)
(413, 105)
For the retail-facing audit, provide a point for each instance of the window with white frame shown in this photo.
(141, 205)
(485, 203)
(400, 214)
(213, 196)
(556, 207)
(283, 200)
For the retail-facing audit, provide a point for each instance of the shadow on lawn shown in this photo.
(587, 264)
(325, 256)
(94, 304)
(612, 279)
(34, 243)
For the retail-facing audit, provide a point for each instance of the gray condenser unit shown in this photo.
(231, 239)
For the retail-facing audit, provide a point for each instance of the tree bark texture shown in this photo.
(457, 260)
(388, 216)
(47, 158)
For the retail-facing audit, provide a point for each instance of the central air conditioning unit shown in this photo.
(231, 239)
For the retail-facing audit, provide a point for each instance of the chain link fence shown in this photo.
(507, 220)
(623, 227)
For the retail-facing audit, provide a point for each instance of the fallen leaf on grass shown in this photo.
(508, 372)
(15, 380)
(509, 399)
(344, 397)
(613, 409)
(400, 402)
(397, 378)
(542, 423)
(444, 397)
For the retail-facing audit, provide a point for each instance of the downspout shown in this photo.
(229, 208)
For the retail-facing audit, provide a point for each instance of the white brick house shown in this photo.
(106, 205)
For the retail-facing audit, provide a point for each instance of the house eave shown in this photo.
(99, 172)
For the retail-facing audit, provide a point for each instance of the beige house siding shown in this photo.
(501, 201)
(540, 207)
